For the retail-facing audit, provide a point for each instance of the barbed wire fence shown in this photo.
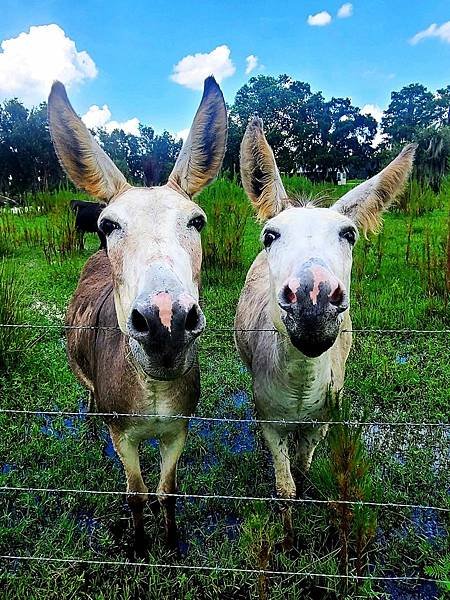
(60, 327)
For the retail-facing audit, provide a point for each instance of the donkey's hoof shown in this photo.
(141, 544)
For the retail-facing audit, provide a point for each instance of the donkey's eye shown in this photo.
(269, 237)
(197, 222)
(348, 234)
(107, 227)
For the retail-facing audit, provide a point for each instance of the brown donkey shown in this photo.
(145, 289)
(299, 286)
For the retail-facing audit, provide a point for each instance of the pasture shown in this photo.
(399, 282)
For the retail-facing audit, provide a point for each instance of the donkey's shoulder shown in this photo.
(94, 287)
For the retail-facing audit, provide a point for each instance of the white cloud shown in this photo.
(319, 19)
(192, 70)
(377, 113)
(345, 11)
(374, 110)
(252, 62)
(433, 31)
(182, 134)
(30, 62)
(97, 118)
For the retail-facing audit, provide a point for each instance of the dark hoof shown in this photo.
(141, 544)
(172, 541)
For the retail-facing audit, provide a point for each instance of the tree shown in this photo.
(410, 110)
(304, 130)
(443, 103)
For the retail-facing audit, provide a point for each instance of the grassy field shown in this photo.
(398, 282)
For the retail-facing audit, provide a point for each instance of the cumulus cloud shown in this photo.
(192, 70)
(345, 11)
(30, 62)
(252, 62)
(319, 19)
(182, 134)
(376, 112)
(441, 32)
(100, 118)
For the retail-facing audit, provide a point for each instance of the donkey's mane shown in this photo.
(308, 201)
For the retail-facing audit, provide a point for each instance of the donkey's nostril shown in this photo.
(288, 296)
(337, 296)
(139, 322)
(192, 319)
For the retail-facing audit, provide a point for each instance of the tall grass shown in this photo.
(60, 239)
(346, 475)
(44, 203)
(418, 199)
(8, 234)
(11, 313)
(227, 209)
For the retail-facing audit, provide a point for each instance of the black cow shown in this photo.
(87, 214)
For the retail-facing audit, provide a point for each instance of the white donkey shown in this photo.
(300, 286)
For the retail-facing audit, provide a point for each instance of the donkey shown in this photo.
(299, 287)
(138, 302)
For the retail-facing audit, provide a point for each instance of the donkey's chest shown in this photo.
(159, 407)
(296, 392)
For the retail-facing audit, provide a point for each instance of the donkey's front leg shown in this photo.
(307, 439)
(171, 446)
(277, 443)
(128, 451)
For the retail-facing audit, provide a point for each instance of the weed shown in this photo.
(11, 313)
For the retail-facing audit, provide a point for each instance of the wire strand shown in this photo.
(219, 569)
(4, 488)
(218, 329)
(116, 415)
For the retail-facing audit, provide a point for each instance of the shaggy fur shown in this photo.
(366, 203)
(203, 151)
(260, 177)
(287, 384)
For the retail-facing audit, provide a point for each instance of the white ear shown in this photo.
(202, 153)
(365, 203)
(87, 165)
(259, 172)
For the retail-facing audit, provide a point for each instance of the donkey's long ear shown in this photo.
(202, 153)
(84, 161)
(366, 202)
(259, 172)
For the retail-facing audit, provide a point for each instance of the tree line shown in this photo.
(310, 135)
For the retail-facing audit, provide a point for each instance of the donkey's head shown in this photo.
(153, 234)
(309, 249)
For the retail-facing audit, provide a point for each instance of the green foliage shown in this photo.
(417, 199)
(11, 313)
(432, 156)
(410, 110)
(303, 128)
(441, 571)
(346, 475)
(227, 209)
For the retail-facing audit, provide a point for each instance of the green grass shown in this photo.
(389, 377)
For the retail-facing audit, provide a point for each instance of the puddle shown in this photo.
(7, 468)
(402, 591)
(396, 442)
(70, 426)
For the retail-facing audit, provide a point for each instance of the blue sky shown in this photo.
(133, 47)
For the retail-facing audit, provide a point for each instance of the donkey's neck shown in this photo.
(303, 378)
